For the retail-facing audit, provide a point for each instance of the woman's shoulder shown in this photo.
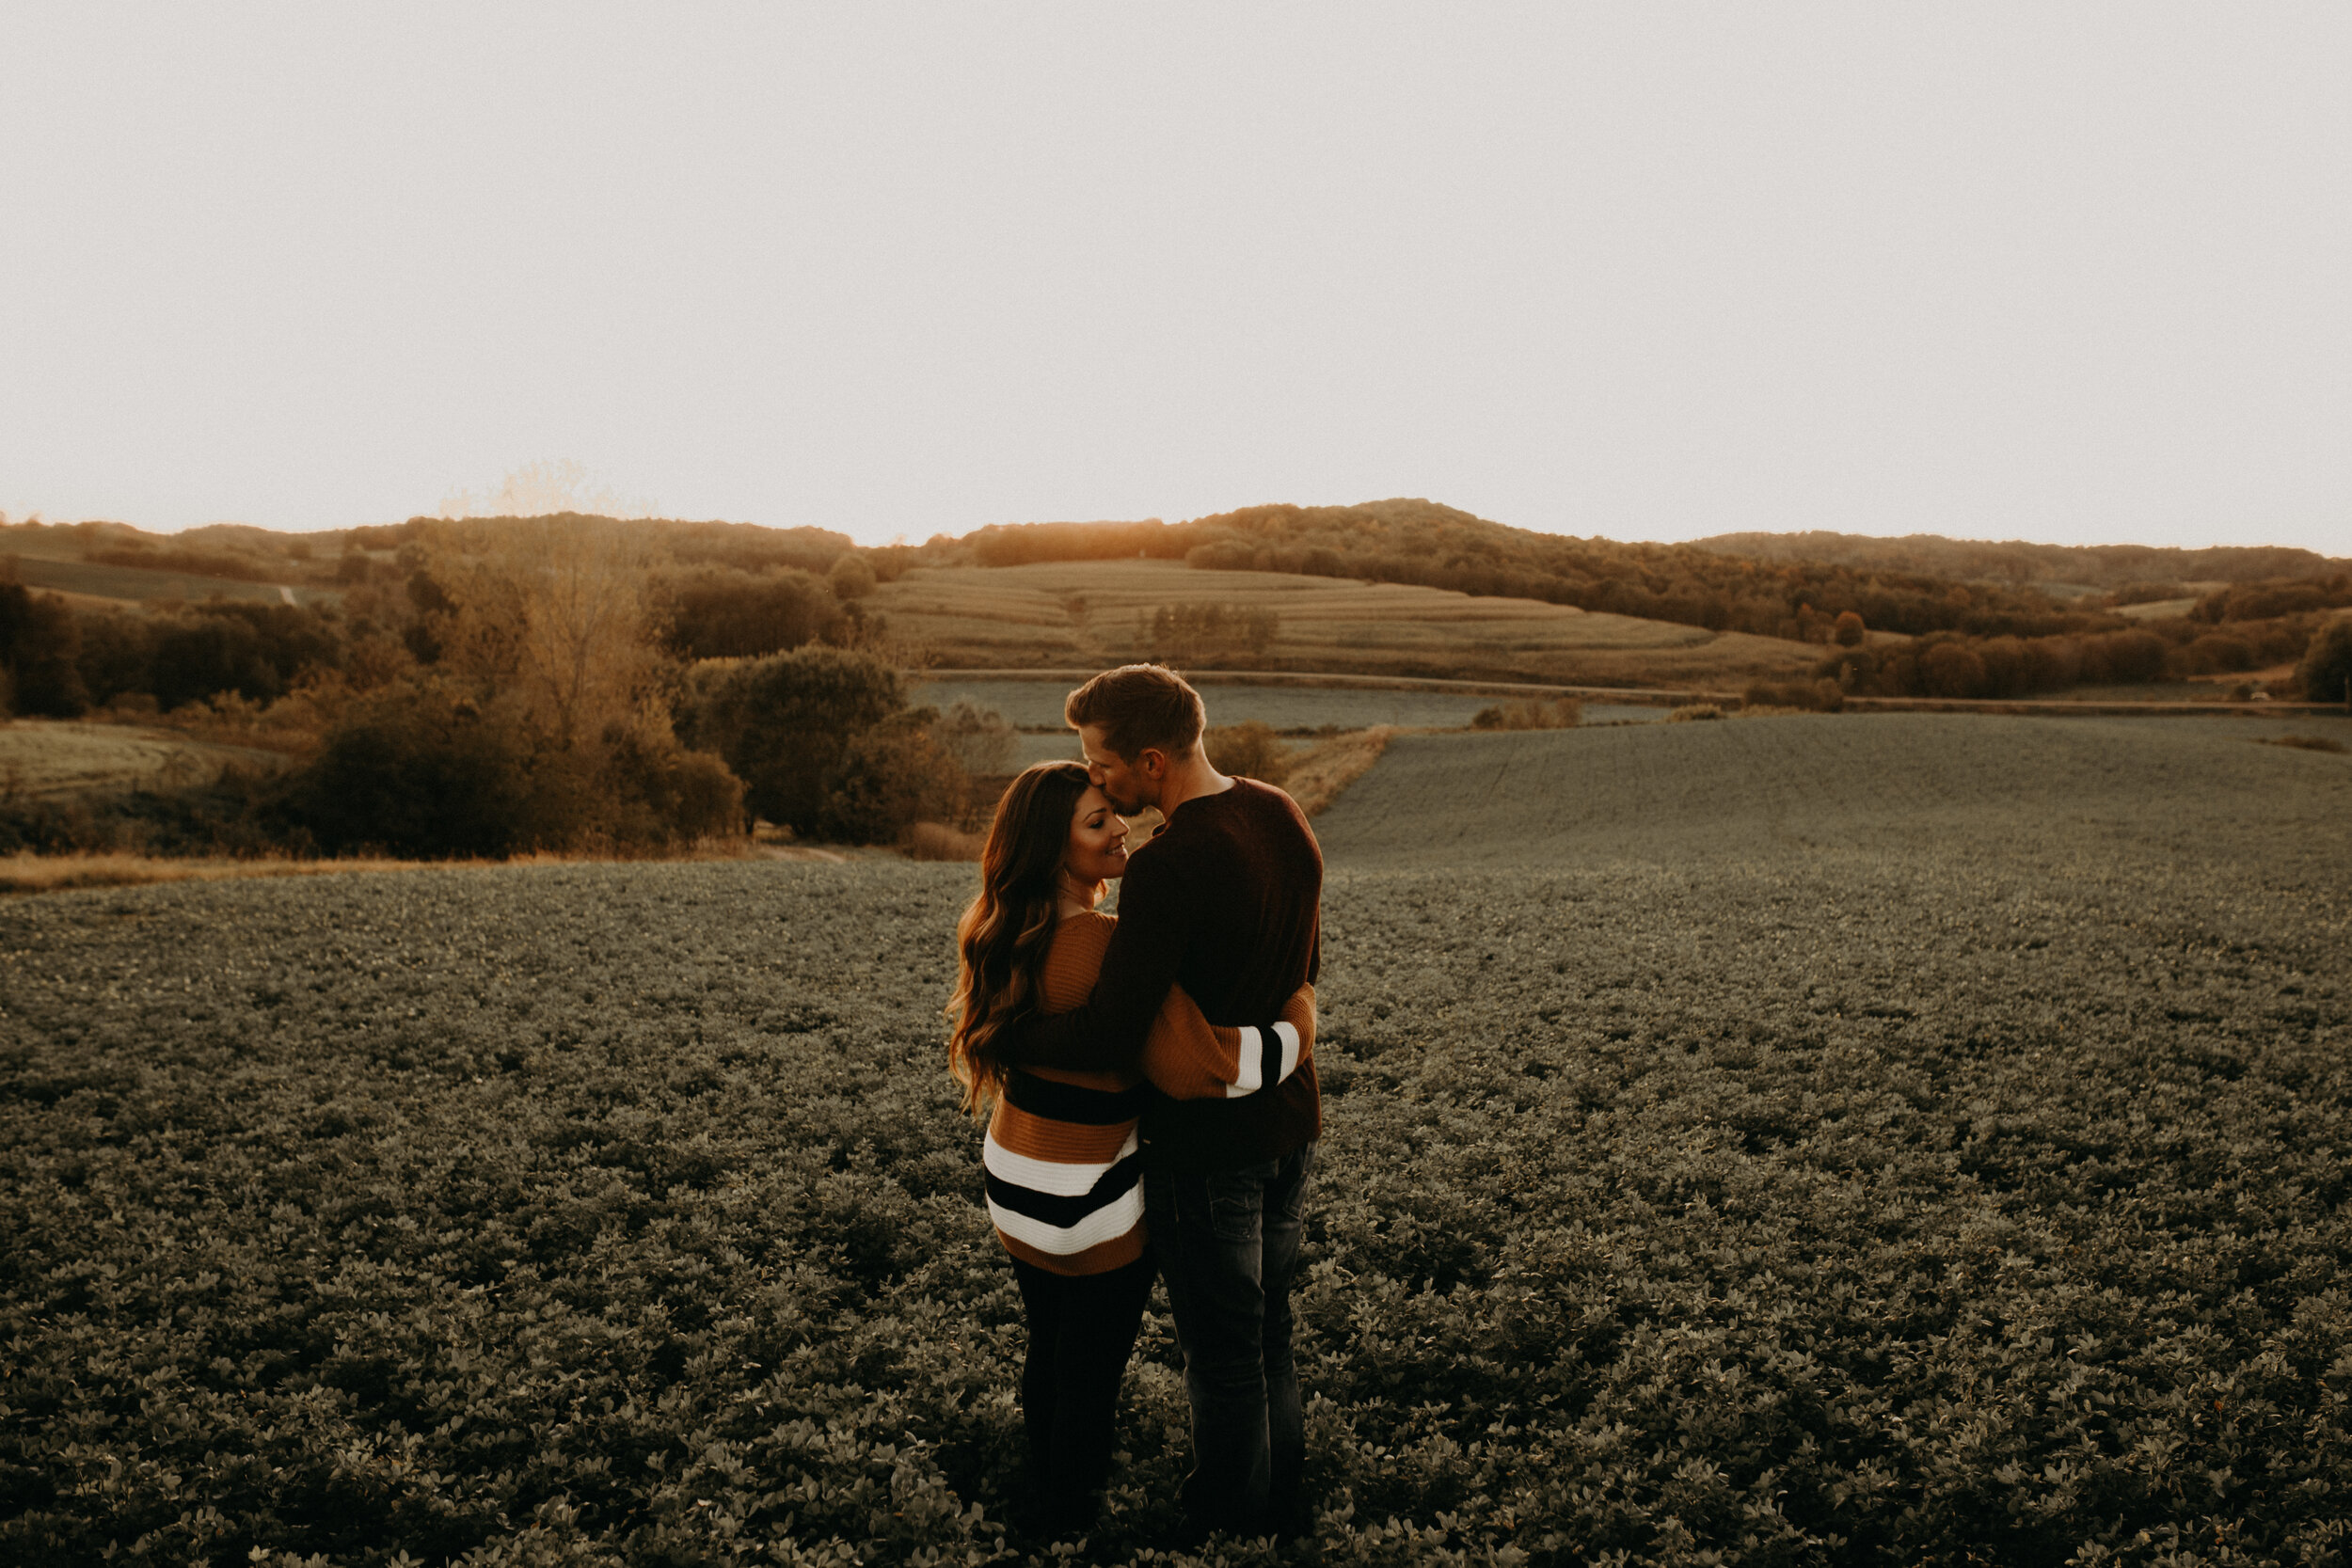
(1075, 959)
(1089, 928)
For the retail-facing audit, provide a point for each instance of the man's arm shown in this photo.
(1188, 1057)
(1138, 968)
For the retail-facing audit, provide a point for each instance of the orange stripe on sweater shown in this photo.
(1117, 1253)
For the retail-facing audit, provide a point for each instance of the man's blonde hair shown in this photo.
(1140, 708)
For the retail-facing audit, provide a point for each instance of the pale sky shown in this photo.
(2072, 273)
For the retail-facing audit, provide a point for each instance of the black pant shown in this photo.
(1227, 1246)
(1081, 1327)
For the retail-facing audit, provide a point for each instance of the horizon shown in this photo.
(1047, 522)
(2017, 274)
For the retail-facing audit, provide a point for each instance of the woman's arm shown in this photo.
(1188, 1057)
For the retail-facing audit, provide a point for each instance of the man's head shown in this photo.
(1139, 724)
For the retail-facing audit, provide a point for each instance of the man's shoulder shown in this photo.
(1248, 804)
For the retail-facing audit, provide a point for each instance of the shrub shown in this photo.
(825, 744)
(1849, 630)
(853, 576)
(2220, 653)
(1814, 696)
(713, 613)
(38, 646)
(2326, 673)
(422, 771)
(1247, 750)
(1951, 670)
(1690, 712)
(661, 794)
(980, 738)
(889, 777)
(1531, 712)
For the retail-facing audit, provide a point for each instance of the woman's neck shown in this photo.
(1073, 896)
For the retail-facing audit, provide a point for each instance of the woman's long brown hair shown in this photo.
(1001, 938)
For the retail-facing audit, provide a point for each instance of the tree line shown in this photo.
(517, 685)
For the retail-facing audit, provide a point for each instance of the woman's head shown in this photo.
(1050, 822)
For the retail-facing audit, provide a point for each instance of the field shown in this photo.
(86, 579)
(1085, 612)
(58, 757)
(2053, 792)
(1835, 1140)
(1036, 704)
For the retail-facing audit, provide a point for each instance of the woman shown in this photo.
(1062, 1156)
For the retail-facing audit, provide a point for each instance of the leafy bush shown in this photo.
(2326, 673)
(712, 613)
(1814, 696)
(1690, 712)
(980, 739)
(423, 771)
(1247, 750)
(825, 744)
(1531, 713)
(39, 646)
(851, 576)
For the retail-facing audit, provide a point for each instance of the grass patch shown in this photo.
(1321, 772)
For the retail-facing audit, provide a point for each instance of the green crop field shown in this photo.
(1824, 1141)
(1070, 613)
(1983, 784)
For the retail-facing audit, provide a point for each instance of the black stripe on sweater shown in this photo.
(1042, 1096)
(1063, 1213)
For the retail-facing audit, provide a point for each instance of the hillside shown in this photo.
(1106, 612)
(1396, 587)
(2017, 561)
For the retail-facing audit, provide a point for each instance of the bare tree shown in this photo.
(555, 608)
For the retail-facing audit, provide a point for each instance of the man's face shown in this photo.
(1131, 784)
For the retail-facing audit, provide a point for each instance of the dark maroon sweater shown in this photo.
(1225, 901)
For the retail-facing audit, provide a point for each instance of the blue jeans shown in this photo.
(1227, 1246)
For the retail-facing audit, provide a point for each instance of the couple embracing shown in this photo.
(1151, 1091)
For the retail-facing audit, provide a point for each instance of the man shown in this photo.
(1225, 901)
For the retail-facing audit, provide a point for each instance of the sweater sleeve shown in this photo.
(1188, 1057)
(1139, 966)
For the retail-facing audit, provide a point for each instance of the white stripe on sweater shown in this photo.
(1106, 1224)
(1250, 1080)
(1049, 1176)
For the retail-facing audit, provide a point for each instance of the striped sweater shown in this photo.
(1063, 1164)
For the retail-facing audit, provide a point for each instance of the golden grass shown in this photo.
(27, 873)
(1320, 773)
(52, 756)
(30, 873)
(936, 840)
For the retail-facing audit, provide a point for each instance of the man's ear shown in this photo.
(1151, 763)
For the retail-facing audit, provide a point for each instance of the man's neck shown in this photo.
(1190, 781)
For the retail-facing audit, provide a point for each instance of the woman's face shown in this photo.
(1098, 840)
